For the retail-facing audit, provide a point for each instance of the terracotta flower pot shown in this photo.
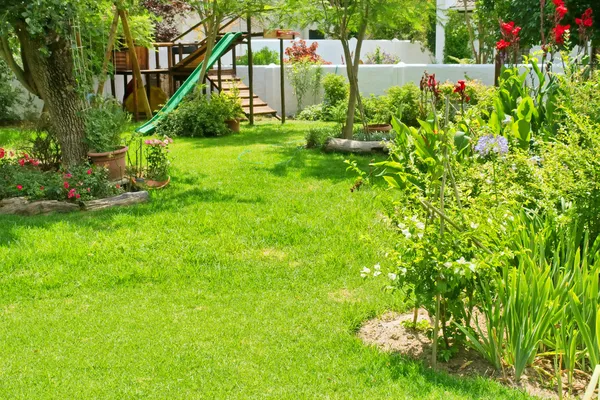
(379, 128)
(233, 125)
(113, 160)
(157, 184)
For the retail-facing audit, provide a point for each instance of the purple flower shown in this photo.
(490, 144)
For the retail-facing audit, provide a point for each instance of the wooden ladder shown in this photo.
(230, 82)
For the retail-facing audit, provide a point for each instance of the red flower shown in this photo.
(34, 162)
(502, 44)
(558, 3)
(585, 20)
(507, 27)
(118, 186)
(71, 193)
(561, 11)
(2, 152)
(41, 188)
(559, 33)
(77, 196)
(460, 87)
(66, 185)
(432, 83)
(89, 171)
(20, 187)
(67, 176)
(516, 31)
(22, 162)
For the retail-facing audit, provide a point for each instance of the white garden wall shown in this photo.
(373, 79)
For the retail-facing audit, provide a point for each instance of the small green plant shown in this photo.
(157, 158)
(317, 137)
(104, 123)
(264, 56)
(379, 56)
(305, 76)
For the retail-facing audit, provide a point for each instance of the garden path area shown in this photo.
(241, 280)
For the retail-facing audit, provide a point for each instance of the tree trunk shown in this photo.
(348, 131)
(55, 80)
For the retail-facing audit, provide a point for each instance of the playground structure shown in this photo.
(146, 89)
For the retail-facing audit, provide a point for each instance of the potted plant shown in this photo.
(231, 107)
(157, 157)
(105, 120)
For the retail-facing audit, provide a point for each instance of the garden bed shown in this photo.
(391, 333)
(23, 206)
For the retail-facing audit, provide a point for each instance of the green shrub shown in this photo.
(196, 116)
(318, 137)
(9, 96)
(404, 101)
(312, 113)
(264, 56)
(336, 89)
(377, 110)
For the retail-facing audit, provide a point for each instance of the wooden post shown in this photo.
(219, 67)
(124, 87)
(109, 48)
(136, 112)
(234, 60)
(170, 68)
(250, 70)
(113, 88)
(136, 66)
(497, 70)
(282, 78)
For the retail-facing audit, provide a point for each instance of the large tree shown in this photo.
(40, 41)
(347, 19)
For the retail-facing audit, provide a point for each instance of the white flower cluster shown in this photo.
(365, 272)
(419, 227)
(460, 264)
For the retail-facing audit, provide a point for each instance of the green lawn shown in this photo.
(242, 280)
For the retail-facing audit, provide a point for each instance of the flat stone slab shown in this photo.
(22, 206)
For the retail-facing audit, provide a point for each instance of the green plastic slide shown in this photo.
(218, 51)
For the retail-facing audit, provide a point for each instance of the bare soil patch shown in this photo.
(388, 333)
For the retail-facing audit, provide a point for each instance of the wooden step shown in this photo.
(224, 78)
(257, 102)
(243, 93)
(262, 110)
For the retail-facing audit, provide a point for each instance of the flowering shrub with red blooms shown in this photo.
(21, 177)
(299, 51)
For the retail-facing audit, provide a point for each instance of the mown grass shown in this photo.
(241, 280)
